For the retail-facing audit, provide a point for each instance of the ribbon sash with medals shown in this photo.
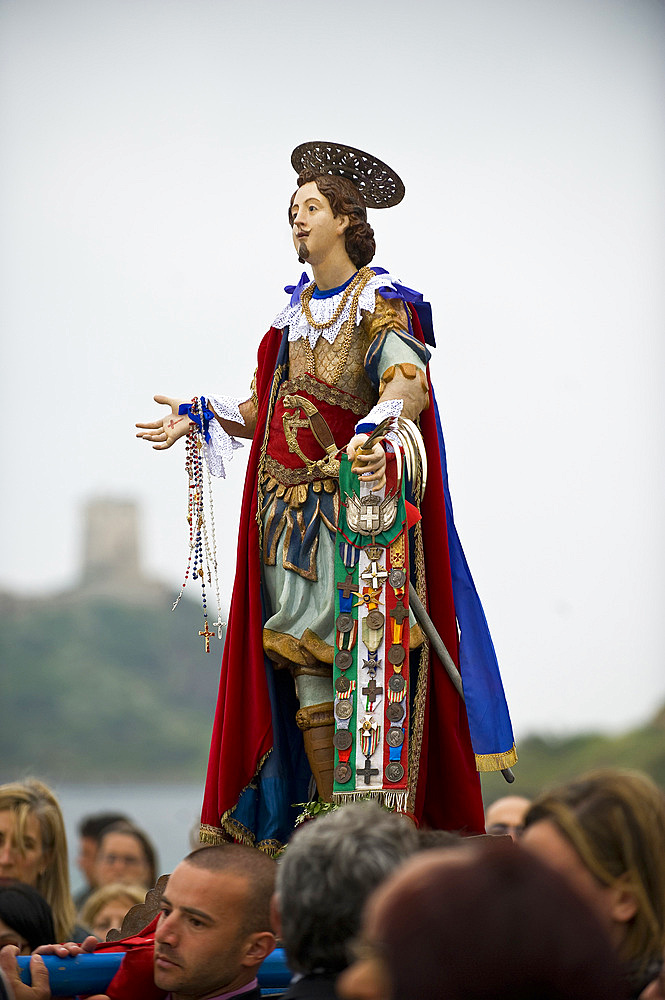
(371, 667)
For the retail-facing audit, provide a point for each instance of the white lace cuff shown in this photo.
(386, 408)
(220, 447)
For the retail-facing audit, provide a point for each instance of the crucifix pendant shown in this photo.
(208, 636)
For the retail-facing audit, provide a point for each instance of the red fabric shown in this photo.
(413, 515)
(241, 738)
(134, 979)
(340, 420)
(448, 795)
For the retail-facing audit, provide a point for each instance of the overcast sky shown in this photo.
(144, 177)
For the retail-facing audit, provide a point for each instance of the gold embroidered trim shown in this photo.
(279, 371)
(389, 314)
(231, 829)
(420, 699)
(496, 761)
(254, 397)
(310, 572)
(326, 521)
(326, 393)
(281, 476)
(212, 835)
(270, 556)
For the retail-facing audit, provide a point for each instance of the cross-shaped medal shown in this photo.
(346, 588)
(367, 771)
(372, 664)
(399, 613)
(372, 691)
(374, 573)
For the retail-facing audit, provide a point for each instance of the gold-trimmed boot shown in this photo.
(316, 723)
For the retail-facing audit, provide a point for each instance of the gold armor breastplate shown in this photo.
(388, 314)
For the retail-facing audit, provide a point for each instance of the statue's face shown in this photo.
(316, 231)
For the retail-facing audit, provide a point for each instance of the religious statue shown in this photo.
(346, 526)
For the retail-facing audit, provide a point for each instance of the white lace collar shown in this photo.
(323, 309)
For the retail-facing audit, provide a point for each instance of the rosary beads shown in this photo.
(202, 559)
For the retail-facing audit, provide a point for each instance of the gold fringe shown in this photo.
(212, 835)
(496, 761)
(279, 371)
(420, 700)
(230, 829)
(271, 847)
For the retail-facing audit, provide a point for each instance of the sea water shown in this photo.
(167, 813)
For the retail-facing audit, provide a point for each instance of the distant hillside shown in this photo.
(99, 689)
(547, 761)
(103, 681)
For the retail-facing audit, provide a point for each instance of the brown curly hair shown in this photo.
(344, 199)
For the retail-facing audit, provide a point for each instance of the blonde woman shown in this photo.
(33, 848)
(107, 907)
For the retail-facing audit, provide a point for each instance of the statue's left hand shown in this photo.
(370, 466)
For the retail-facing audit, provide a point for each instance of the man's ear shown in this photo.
(276, 915)
(257, 947)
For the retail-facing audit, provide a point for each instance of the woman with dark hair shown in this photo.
(485, 922)
(26, 920)
(605, 832)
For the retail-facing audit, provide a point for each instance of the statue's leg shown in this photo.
(299, 635)
(315, 720)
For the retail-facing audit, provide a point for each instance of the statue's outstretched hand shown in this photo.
(165, 432)
(370, 466)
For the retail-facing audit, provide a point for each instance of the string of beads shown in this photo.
(202, 558)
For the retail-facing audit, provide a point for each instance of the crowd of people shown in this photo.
(563, 898)
(116, 858)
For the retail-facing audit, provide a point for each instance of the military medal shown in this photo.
(396, 683)
(343, 709)
(343, 739)
(396, 655)
(395, 736)
(371, 599)
(343, 659)
(394, 771)
(343, 773)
